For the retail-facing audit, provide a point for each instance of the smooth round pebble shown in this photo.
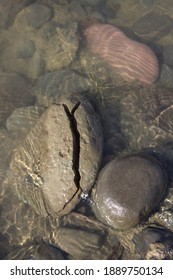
(152, 25)
(127, 190)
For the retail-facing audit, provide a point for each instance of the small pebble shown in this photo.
(35, 15)
(153, 26)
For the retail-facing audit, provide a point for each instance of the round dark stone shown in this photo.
(152, 26)
(128, 189)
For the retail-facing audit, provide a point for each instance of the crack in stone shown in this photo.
(76, 145)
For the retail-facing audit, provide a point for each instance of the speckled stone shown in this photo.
(93, 2)
(62, 47)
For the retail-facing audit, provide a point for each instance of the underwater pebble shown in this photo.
(24, 48)
(153, 25)
(15, 92)
(51, 86)
(21, 56)
(94, 2)
(9, 9)
(133, 60)
(62, 47)
(127, 190)
(34, 15)
(166, 75)
(41, 251)
(23, 119)
(167, 54)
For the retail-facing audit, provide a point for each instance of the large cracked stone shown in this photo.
(60, 157)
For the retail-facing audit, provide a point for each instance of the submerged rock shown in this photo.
(146, 117)
(153, 25)
(34, 15)
(62, 47)
(15, 92)
(41, 251)
(60, 157)
(23, 119)
(128, 189)
(51, 86)
(166, 76)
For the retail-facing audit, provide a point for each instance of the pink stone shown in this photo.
(132, 59)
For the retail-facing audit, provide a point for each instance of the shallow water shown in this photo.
(43, 48)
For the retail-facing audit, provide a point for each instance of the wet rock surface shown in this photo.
(127, 190)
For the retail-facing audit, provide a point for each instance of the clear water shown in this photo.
(38, 40)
